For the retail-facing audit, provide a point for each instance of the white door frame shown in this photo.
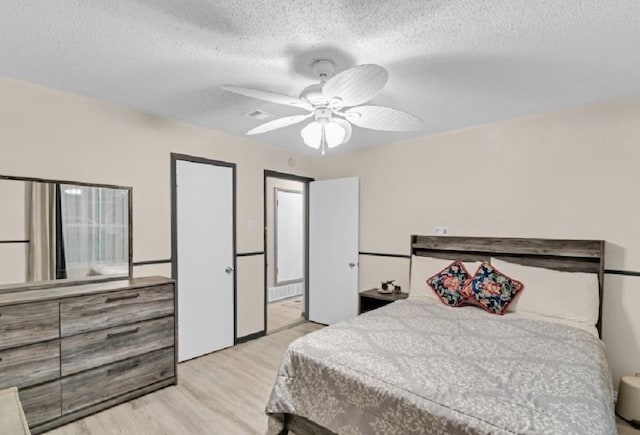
(174, 234)
(305, 181)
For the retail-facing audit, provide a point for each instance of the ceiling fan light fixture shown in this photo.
(333, 132)
(337, 132)
(312, 134)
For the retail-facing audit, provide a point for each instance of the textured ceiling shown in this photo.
(455, 63)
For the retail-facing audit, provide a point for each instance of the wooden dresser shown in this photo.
(75, 350)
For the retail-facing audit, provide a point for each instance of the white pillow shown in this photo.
(565, 295)
(425, 267)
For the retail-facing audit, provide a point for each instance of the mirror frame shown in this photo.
(68, 282)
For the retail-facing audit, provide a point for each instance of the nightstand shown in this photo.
(372, 299)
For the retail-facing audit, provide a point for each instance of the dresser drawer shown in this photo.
(91, 313)
(86, 351)
(28, 323)
(93, 386)
(41, 403)
(29, 365)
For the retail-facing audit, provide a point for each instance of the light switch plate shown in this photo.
(440, 231)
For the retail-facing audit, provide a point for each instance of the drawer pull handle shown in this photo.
(120, 334)
(123, 368)
(122, 298)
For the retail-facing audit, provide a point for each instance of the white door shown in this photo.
(205, 258)
(333, 249)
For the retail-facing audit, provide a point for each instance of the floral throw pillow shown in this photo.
(449, 282)
(491, 289)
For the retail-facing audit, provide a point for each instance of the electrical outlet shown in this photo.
(440, 231)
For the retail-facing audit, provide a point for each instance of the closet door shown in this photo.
(205, 257)
(333, 249)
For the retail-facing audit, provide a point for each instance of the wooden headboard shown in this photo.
(565, 255)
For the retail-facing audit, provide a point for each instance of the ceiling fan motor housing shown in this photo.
(314, 95)
(323, 113)
(323, 69)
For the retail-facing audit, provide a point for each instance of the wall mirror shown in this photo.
(57, 230)
(289, 236)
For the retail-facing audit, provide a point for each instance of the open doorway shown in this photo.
(286, 241)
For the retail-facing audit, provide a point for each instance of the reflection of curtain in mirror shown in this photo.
(95, 229)
(42, 232)
(61, 262)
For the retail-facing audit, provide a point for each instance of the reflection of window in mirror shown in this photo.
(95, 223)
(76, 231)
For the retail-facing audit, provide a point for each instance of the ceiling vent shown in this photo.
(258, 114)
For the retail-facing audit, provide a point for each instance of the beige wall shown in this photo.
(250, 301)
(49, 134)
(13, 263)
(13, 227)
(272, 185)
(573, 174)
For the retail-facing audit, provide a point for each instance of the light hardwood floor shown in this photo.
(221, 393)
(283, 313)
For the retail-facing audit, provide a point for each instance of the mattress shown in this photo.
(414, 367)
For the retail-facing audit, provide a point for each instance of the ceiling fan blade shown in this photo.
(383, 118)
(278, 123)
(270, 97)
(356, 85)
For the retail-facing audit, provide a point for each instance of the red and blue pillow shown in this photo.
(489, 288)
(449, 282)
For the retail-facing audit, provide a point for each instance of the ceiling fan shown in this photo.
(335, 103)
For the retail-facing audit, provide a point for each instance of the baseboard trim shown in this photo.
(250, 337)
(150, 262)
(249, 254)
(381, 254)
(621, 272)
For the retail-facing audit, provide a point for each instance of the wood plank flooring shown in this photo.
(283, 313)
(221, 393)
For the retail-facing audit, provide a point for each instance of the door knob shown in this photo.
(352, 264)
(229, 270)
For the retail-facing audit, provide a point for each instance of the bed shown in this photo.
(418, 366)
